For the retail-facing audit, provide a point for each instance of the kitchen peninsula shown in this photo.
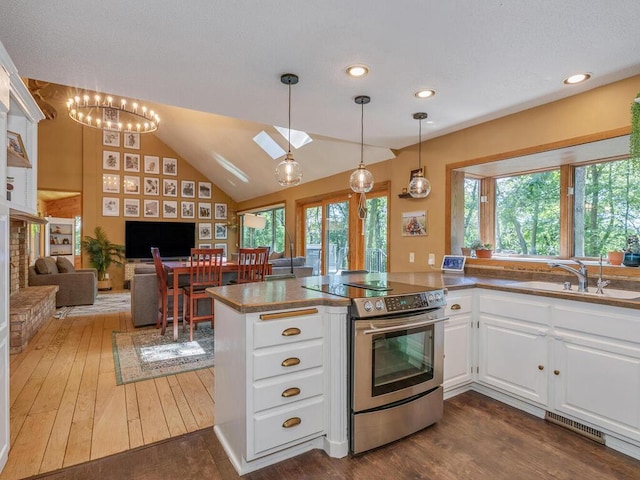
(269, 409)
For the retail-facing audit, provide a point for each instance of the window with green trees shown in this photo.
(272, 235)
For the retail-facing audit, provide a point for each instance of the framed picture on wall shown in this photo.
(131, 140)
(221, 211)
(151, 186)
(223, 246)
(131, 184)
(110, 138)
(187, 210)
(169, 187)
(170, 209)
(204, 231)
(131, 207)
(204, 189)
(15, 147)
(131, 162)
(414, 224)
(188, 188)
(151, 164)
(204, 245)
(170, 166)
(151, 208)
(110, 160)
(111, 183)
(110, 206)
(221, 231)
(110, 115)
(204, 210)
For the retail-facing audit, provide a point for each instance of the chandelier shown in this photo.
(288, 171)
(104, 113)
(361, 180)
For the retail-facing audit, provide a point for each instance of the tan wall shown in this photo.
(600, 110)
(70, 158)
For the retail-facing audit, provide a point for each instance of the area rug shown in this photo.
(105, 303)
(148, 354)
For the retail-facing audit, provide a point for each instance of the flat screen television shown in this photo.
(174, 239)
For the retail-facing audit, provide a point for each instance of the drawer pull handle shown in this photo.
(290, 332)
(540, 367)
(456, 306)
(290, 362)
(291, 392)
(292, 422)
(291, 313)
(556, 372)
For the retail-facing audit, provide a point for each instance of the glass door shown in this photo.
(336, 239)
(375, 234)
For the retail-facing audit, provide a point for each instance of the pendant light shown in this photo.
(288, 171)
(361, 180)
(419, 187)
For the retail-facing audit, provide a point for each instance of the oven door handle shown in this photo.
(405, 326)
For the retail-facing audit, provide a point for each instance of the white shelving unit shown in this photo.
(60, 238)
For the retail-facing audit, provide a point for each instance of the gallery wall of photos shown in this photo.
(135, 185)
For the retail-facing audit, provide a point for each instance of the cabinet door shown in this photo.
(457, 351)
(513, 357)
(598, 380)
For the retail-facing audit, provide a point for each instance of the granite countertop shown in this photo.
(284, 294)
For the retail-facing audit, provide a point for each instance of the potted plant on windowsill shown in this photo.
(102, 253)
(632, 252)
(484, 251)
(615, 257)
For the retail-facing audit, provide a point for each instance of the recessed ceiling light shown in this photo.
(425, 93)
(357, 70)
(577, 78)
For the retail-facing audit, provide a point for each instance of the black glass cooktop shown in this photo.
(367, 289)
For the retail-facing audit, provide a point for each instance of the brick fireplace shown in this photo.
(18, 254)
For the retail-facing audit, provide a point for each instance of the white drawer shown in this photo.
(268, 362)
(269, 431)
(287, 330)
(457, 304)
(286, 389)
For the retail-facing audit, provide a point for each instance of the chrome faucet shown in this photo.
(581, 273)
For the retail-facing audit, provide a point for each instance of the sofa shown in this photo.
(281, 265)
(75, 287)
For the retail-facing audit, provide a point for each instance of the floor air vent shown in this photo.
(590, 433)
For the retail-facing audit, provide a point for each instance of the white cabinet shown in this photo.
(280, 383)
(458, 351)
(596, 368)
(513, 345)
(60, 237)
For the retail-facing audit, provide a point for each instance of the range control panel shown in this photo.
(374, 307)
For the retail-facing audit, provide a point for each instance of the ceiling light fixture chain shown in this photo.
(361, 180)
(419, 186)
(288, 171)
(105, 114)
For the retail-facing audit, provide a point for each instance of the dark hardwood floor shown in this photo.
(478, 438)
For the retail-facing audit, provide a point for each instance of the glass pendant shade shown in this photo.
(419, 187)
(361, 180)
(288, 171)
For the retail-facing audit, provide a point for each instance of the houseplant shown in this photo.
(102, 253)
(615, 257)
(632, 252)
(484, 251)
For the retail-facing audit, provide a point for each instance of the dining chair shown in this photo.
(205, 270)
(252, 264)
(164, 291)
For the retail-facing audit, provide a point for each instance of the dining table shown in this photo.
(178, 268)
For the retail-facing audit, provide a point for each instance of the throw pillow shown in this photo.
(46, 266)
(65, 265)
(275, 255)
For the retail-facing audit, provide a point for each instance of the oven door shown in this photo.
(395, 358)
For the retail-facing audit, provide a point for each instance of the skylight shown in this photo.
(298, 138)
(269, 145)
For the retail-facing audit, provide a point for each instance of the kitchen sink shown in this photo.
(559, 287)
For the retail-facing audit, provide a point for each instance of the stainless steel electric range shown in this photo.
(396, 343)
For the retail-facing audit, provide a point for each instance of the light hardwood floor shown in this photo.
(67, 409)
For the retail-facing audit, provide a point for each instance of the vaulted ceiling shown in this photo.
(213, 68)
